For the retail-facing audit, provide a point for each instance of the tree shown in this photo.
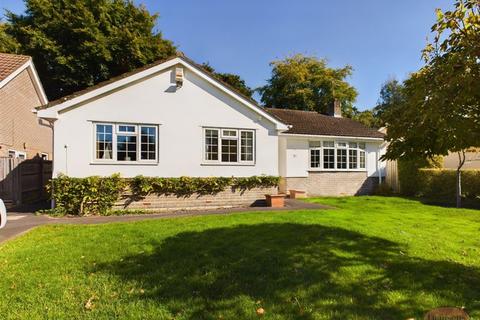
(231, 79)
(76, 44)
(307, 83)
(7, 43)
(366, 117)
(441, 111)
(391, 98)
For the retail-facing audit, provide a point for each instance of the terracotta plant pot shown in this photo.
(297, 194)
(275, 200)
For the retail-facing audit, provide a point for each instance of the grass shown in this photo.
(370, 258)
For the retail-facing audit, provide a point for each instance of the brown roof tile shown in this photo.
(9, 63)
(314, 123)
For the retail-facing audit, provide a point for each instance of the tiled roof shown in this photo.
(314, 123)
(9, 63)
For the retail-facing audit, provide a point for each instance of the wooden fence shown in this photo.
(391, 175)
(23, 181)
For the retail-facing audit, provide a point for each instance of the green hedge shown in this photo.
(97, 195)
(441, 184)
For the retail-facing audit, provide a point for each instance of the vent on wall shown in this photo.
(179, 76)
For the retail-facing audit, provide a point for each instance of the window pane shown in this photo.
(148, 143)
(361, 145)
(315, 158)
(342, 144)
(211, 144)
(352, 159)
(126, 128)
(104, 142)
(126, 148)
(229, 150)
(314, 144)
(229, 133)
(328, 144)
(352, 145)
(341, 159)
(329, 158)
(246, 153)
(362, 159)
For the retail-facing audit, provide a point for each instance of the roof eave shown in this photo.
(298, 135)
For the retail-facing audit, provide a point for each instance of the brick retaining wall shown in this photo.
(226, 199)
(333, 183)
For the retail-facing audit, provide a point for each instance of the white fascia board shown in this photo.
(312, 136)
(155, 69)
(38, 84)
(47, 114)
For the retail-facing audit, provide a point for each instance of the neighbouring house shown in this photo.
(172, 118)
(22, 134)
(472, 160)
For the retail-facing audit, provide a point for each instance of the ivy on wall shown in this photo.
(97, 195)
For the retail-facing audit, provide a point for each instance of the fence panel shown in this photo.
(23, 181)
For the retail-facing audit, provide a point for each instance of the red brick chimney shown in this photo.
(335, 109)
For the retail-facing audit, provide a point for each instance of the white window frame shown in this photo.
(115, 133)
(237, 137)
(337, 144)
(17, 154)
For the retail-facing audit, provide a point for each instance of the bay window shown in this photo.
(125, 142)
(229, 145)
(337, 155)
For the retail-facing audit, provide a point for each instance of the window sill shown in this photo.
(235, 164)
(123, 163)
(336, 170)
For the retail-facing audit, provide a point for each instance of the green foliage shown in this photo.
(7, 43)
(307, 83)
(389, 103)
(187, 186)
(408, 173)
(85, 196)
(76, 44)
(441, 184)
(440, 111)
(231, 79)
(97, 195)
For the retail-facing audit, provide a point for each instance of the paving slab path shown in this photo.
(19, 223)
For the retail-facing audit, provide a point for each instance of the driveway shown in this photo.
(19, 223)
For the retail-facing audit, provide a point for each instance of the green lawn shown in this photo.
(370, 258)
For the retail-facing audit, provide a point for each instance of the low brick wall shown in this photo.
(333, 183)
(226, 199)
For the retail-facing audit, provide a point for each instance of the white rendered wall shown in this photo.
(181, 115)
(297, 160)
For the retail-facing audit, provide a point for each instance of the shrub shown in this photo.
(80, 196)
(97, 195)
(441, 184)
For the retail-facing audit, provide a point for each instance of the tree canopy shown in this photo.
(232, 79)
(441, 108)
(307, 83)
(76, 44)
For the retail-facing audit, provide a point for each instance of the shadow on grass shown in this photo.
(297, 272)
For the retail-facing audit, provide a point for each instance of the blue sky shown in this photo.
(379, 38)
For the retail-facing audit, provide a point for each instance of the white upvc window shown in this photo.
(126, 142)
(17, 154)
(228, 146)
(337, 155)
